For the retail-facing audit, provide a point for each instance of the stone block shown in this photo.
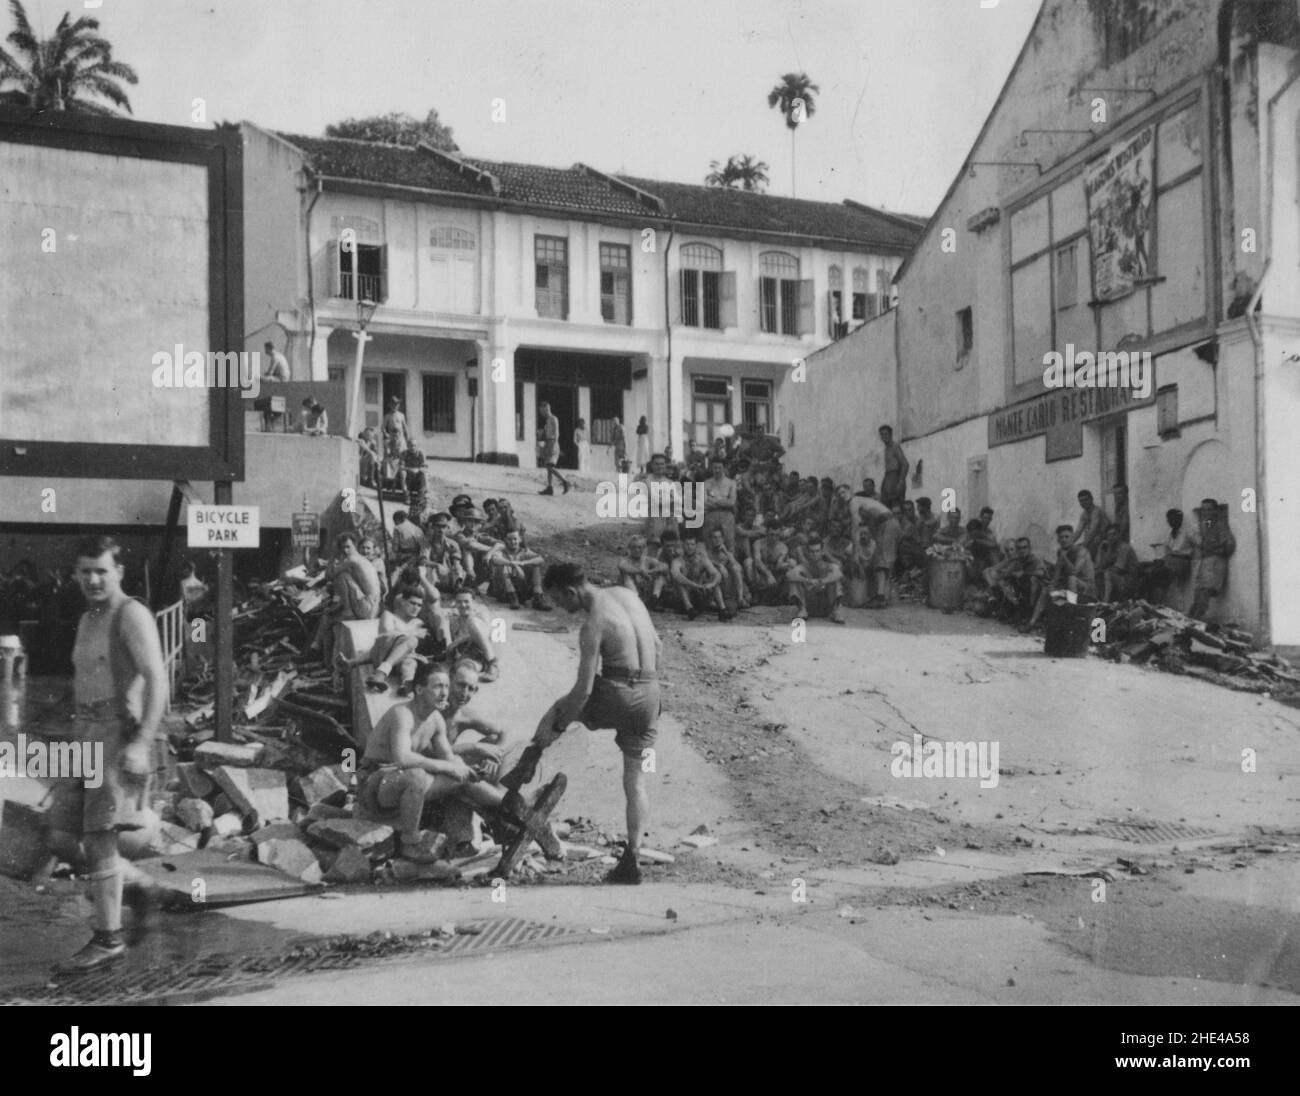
(212, 755)
(194, 782)
(259, 794)
(194, 814)
(291, 856)
(351, 865)
(321, 812)
(378, 841)
(328, 784)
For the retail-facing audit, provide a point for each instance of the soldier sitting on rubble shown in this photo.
(409, 763)
(400, 631)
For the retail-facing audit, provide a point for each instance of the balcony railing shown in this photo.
(371, 286)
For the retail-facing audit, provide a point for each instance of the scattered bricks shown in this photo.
(194, 781)
(328, 784)
(321, 812)
(174, 840)
(227, 825)
(377, 840)
(654, 856)
(260, 794)
(195, 814)
(351, 866)
(277, 831)
(468, 875)
(212, 755)
(290, 856)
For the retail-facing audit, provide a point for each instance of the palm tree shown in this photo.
(63, 71)
(793, 95)
(751, 174)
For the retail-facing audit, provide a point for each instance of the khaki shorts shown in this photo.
(887, 545)
(369, 808)
(113, 805)
(631, 710)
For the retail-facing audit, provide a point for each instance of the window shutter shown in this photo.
(383, 274)
(675, 300)
(727, 299)
(807, 297)
(333, 258)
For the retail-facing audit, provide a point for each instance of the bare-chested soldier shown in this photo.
(400, 630)
(617, 686)
(356, 595)
(409, 762)
(641, 573)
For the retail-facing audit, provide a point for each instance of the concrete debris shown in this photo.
(328, 784)
(212, 755)
(699, 841)
(227, 825)
(193, 780)
(352, 866)
(292, 857)
(654, 856)
(1139, 632)
(194, 814)
(373, 837)
(259, 794)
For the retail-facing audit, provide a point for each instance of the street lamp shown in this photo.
(365, 312)
(471, 375)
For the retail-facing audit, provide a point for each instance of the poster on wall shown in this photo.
(1119, 189)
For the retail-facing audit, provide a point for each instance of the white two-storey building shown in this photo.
(500, 285)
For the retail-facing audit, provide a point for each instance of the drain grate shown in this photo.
(1151, 833)
(220, 973)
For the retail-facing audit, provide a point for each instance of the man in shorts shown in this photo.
(400, 631)
(815, 588)
(548, 447)
(617, 686)
(409, 763)
(120, 693)
(641, 573)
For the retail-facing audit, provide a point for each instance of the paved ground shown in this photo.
(926, 889)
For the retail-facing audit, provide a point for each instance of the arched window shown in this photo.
(861, 287)
(835, 277)
(785, 303)
(708, 296)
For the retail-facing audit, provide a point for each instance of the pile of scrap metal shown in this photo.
(1136, 631)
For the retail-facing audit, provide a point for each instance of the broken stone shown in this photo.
(212, 755)
(351, 866)
(194, 781)
(374, 838)
(227, 825)
(172, 840)
(323, 811)
(277, 831)
(259, 794)
(291, 856)
(699, 841)
(194, 814)
(328, 784)
(654, 856)
(221, 804)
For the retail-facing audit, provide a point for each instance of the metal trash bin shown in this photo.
(947, 584)
(1066, 630)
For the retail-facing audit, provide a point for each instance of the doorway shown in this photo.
(563, 399)
(377, 389)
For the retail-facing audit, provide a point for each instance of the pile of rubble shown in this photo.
(1136, 631)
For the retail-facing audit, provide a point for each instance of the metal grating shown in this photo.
(1151, 833)
(214, 974)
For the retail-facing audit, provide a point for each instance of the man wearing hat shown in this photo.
(440, 559)
(1213, 544)
(474, 547)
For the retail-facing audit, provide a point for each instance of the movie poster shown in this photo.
(1119, 189)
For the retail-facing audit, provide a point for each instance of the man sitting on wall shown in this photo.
(400, 631)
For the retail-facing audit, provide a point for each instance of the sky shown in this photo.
(657, 88)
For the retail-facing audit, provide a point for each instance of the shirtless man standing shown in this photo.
(120, 691)
(617, 686)
(409, 762)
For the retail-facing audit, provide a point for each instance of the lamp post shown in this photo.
(365, 312)
(471, 376)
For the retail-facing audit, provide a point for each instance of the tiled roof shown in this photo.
(570, 187)
(371, 162)
(728, 208)
(583, 190)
